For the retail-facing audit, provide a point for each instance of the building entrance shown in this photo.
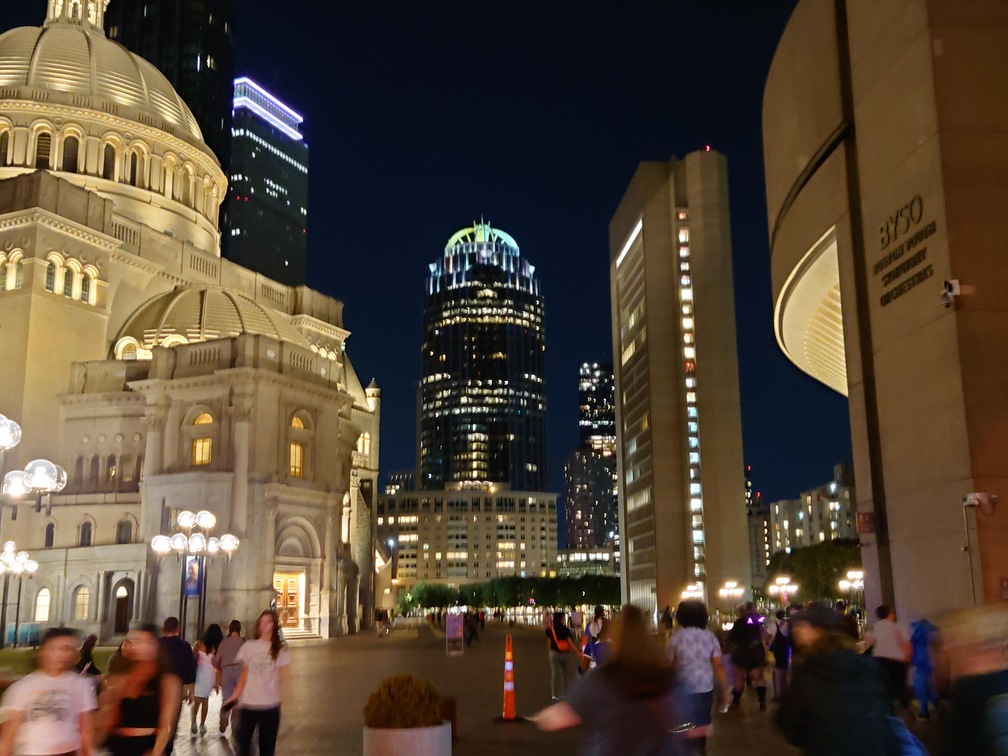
(289, 587)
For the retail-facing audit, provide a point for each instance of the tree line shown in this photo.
(511, 591)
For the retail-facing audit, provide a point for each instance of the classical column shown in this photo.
(154, 418)
(139, 592)
(100, 602)
(241, 412)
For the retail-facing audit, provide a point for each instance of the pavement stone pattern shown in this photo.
(331, 680)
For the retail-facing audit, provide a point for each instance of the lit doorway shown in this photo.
(289, 587)
(123, 607)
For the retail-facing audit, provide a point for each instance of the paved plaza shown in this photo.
(331, 681)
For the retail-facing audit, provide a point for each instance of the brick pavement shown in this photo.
(331, 681)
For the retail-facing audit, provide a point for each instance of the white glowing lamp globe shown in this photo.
(205, 519)
(31, 566)
(10, 433)
(21, 557)
(197, 543)
(16, 568)
(43, 476)
(178, 542)
(228, 543)
(213, 545)
(186, 519)
(61, 479)
(15, 483)
(161, 544)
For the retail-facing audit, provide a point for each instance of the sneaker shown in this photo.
(202, 729)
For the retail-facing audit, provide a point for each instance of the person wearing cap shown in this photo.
(837, 702)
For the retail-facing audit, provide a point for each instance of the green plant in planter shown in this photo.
(403, 701)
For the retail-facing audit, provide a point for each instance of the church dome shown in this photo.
(71, 61)
(191, 315)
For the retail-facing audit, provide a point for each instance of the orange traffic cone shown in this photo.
(509, 686)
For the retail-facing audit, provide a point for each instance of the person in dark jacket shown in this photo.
(183, 664)
(748, 654)
(837, 702)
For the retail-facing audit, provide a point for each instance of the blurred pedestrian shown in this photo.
(625, 705)
(974, 657)
(206, 681)
(86, 663)
(50, 710)
(228, 668)
(560, 645)
(139, 707)
(695, 654)
(264, 662)
(923, 638)
(836, 704)
(890, 645)
(748, 655)
(779, 645)
(182, 663)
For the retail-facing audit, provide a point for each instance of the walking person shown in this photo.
(228, 668)
(890, 645)
(836, 704)
(695, 655)
(206, 682)
(624, 704)
(258, 691)
(748, 655)
(923, 638)
(560, 644)
(86, 663)
(50, 711)
(182, 663)
(780, 646)
(139, 706)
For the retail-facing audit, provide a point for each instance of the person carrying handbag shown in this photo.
(561, 644)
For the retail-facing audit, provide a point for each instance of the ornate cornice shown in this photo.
(55, 222)
(320, 326)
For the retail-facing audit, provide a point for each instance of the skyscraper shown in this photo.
(483, 390)
(758, 517)
(268, 199)
(597, 408)
(190, 43)
(678, 416)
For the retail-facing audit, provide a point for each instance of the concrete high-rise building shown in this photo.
(823, 513)
(483, 390)
(678, 417)
(267, 213)
(758, 517)
(884, 141)
(190, 43)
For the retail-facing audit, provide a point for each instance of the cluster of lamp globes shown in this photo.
(198, 542)
(39, 477)
(15, 562)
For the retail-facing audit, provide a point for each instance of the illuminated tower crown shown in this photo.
(90, 12)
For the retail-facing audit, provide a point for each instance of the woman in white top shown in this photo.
(263, 661)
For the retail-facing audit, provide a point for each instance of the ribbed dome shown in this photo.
(189, 315)
(79, 64)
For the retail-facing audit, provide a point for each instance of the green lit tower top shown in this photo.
(483, 392)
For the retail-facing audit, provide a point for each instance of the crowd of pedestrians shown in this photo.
(68, 706)
(836, 692)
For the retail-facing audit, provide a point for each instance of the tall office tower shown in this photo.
(483, 391)
(678, 419)
(268, 198)
(597, 408)
(190, 43)
(758, 517)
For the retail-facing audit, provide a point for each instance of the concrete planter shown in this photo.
(415, 741)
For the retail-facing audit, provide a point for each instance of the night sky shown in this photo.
(422, 117)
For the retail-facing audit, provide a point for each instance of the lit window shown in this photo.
(50, 277)
(689, 353)
(296, 459)
(686, 294)
(298, 423)
(202, 451)
(204, 419)
(82, 604)
(42, 602)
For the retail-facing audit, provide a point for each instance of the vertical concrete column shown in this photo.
(100, 599)
(139, 593)
(241, 412)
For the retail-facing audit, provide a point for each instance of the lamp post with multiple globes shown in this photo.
(783, 587)
(13, 563)
(193, 547)
(854, 584)
(730, 593)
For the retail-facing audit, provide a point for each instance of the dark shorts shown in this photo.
(695, 708)
(119, 745)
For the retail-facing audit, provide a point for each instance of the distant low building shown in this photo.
(591, 561)
(824, 513)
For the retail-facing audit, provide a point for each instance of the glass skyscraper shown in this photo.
(483, 391)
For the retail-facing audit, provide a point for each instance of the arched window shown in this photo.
(42, 601)
(364, 443)
(202, 445)
(68, 282)
(79, 472)
(3, 275)
(81, 604)
(108, 163)
(134, 169)
(127, 472)
(124, 532)
(50, 535)
(299, 446)
(18, 272)
(71, 146)
(43, 148)
(187, 182)
(84, 535)
(296, 459)
(297, 423)
(50, 276)
(93, 470)
(111, 469)
(4, 146)
(85, 288)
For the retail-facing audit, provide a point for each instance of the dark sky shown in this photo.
(424, 116)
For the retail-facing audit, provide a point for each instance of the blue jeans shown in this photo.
(923, 685)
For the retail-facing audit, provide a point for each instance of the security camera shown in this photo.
(950, 291)
(984, 502)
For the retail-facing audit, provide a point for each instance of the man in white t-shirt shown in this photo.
(48, 713)
(890, 645)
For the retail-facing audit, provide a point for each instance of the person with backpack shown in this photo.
(780, 647)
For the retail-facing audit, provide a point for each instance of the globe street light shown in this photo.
(40, 477)
(854, 583)
(10, 436)
(195, 544)
(731, 592)
(783, 587)
(16, 563)
(693, 592)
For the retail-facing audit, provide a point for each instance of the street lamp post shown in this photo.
(730, 593)
(854, 584)
(16, 563)
(193, 540)
(783, 587)
(694, 591)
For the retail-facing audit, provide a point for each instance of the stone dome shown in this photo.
(77, 64)
(191, 315)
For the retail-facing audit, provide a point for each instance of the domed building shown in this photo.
(162, 377)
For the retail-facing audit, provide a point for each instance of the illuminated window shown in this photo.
(42, 601)
(297, 422)
(81, 604)
(50, 276)
(202, 451)
(296, 459)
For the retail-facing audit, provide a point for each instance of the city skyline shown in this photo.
(390, 146)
